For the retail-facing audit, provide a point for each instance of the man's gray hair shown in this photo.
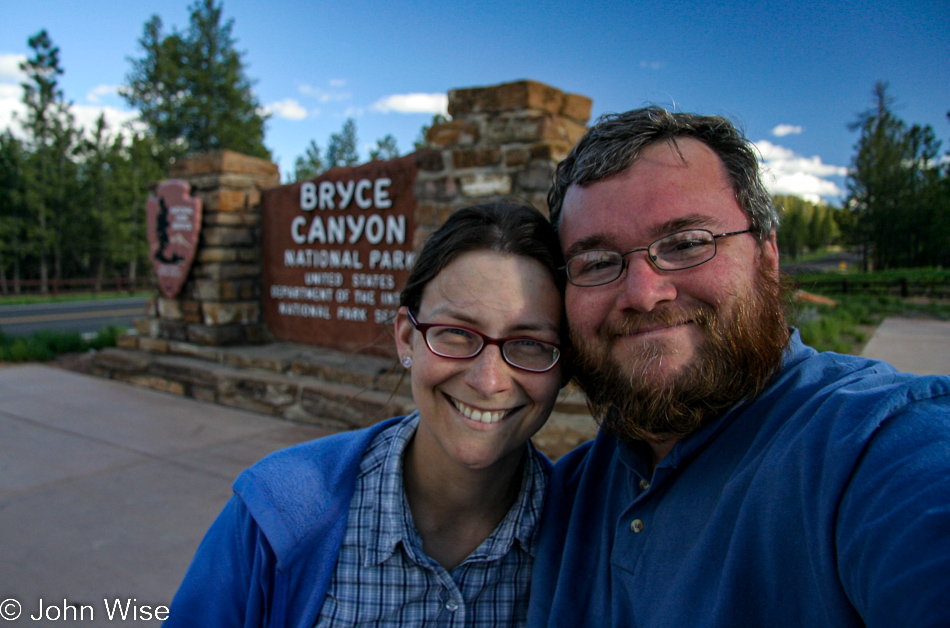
(615, 141)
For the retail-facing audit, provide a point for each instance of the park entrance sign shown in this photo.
(174, 224)
(337, 250)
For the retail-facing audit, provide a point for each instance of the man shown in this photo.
(739, 477)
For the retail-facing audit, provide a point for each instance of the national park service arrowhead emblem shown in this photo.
(174, 224)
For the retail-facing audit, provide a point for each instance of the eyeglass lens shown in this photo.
(457, 342)
(675, 251)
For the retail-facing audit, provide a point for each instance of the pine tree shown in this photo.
(341, 150)
(50, 141)
(309, 164)
(385, 149)
(191, 90)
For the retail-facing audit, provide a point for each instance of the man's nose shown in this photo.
(643, 285)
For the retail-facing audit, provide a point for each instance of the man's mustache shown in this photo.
(638, 322)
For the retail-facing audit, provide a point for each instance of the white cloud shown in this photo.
(101, 90)
(87, 116)
(414, 103)
(325, 96)
(652, 65)
(786, 129)
(11, 102)
(288, 109)
(337, 82)
(786, 172)
(10, 67)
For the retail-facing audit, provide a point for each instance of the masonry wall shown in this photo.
(503, 141)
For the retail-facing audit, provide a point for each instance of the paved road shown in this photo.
(86, 317)
(107, 489)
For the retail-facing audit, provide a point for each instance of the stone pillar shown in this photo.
(220, 303)
(504, 141)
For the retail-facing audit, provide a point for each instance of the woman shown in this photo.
(424, 518)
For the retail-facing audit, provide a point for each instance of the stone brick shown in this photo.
(122, 360)
(516, 156)
(191, 311)
(432, 213)
(202, 185)
(441, 189)
(173, 330)
(246, 312)
(553, 150)
(249, 254)
(515, 96)
(169, 308)
(218, 335)
(224, 200)
(225, 161)
(537, 177)
(225, 271)
(231, 219)
(452, 133)
(254, 333)
(476, 157)
(429, 160)
(570, 131)
(208, 290)
(576, 107)
(213, 254)
(521, 128)
(227, 236)
(147, 327)
(153, 345)
(190, 350)
(205, 393)
(157, 383)
(485, 184)
(127, 341)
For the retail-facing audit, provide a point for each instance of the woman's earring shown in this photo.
(406, 361)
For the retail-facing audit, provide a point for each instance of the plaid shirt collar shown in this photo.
(394, 519)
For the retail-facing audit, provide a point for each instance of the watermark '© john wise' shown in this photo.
(116, 609)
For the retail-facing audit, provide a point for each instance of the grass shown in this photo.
(30, 299)
(43, 346)
(846, 328)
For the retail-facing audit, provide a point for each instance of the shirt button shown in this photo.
(644, 485)
(636, 526)
(452, 605)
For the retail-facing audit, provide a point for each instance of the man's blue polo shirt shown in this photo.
(823, 502)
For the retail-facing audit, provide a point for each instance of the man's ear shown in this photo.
(404, 329)
(770, 253)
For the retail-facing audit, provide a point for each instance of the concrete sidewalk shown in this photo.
(106, 489)
(912, 345)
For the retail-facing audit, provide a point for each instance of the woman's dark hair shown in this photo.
(504, 227)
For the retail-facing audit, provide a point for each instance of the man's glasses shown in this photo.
(459, 343)
(677, 251)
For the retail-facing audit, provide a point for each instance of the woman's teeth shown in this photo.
(478, 415)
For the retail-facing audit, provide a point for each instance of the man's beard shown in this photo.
(736, 359)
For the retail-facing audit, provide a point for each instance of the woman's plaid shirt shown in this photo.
(382, 576)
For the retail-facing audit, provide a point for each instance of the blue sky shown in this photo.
(793, 75)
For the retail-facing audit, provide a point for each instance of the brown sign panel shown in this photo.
(174, 224)
(337, 250)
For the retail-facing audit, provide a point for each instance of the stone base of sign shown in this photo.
(219, 304)
(300, 383)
